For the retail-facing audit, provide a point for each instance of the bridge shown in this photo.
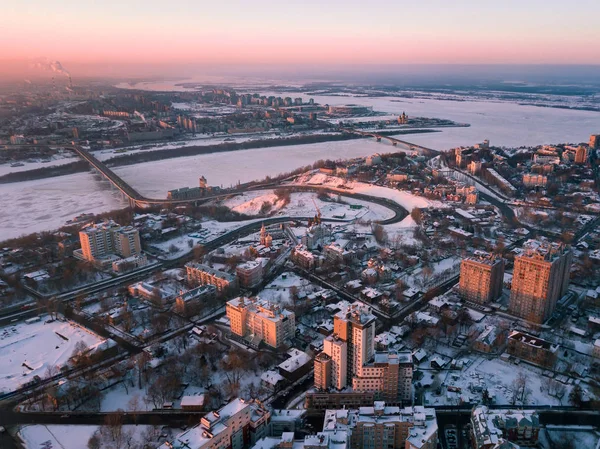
(136, 199)
(394, 141)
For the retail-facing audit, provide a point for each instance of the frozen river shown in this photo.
(504, 124)
(46, 204)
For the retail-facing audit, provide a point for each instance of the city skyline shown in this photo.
(152, 35)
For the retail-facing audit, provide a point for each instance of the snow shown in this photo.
(38, 346)
(46, 204)
(118, 398)
(222, 138)
(56, 436)
(278, 291)
(213, 229)
(498, 377)
(61, 159)
(503, 123)
(303, 205)
(67, 436)
(155, 178)
(405, 199)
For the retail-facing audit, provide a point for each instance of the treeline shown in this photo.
(46, 172)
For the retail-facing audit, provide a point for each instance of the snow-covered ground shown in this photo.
(56, 436)
(69, 436)
(278, 291)
(301, 205)
(59, 159)
(211, 229)
(497, 376)
(45, 204)
(38, 346)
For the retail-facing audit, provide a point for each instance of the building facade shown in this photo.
(261, 321)
(200, 274)
(540, 279)
(107, 239)
(349, 359)
(249, 274)
(481, 279)
(531, 348)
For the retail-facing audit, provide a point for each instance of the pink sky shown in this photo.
(327, 32)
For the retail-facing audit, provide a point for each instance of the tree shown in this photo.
(576, 396)
(417, 215)
(559, 391)
(379, 233)
(156, 297)
(485, 397)
(520, 391)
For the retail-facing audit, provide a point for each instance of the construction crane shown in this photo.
(318, 216)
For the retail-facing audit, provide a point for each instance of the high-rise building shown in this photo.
(261, 320)
(540, 279)
(481, 279)
(350, 358)
(108, 244)
(389, 376)
(103, 239)
(581, 155)
(127, 241)
(595, 141)
(322, 371)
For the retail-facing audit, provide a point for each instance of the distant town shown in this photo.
(412, 298)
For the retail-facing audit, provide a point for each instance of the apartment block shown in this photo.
(531, 348)
(540, 278)
(110, 245)
(388, 376)
(249, 274)
(260, 321)
(492, 429)
(349, 359)
(481, 279)
(201, 274)
(303, 258)
(385, 427)
(235, 426)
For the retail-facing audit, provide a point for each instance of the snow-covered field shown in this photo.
(498, 377)
(56, 436)
(45, 204)
(278, 291)
(60, 159)
(69, 436)
(211, 229)
(301, 205)
(38, 346)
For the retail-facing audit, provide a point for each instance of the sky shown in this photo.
(159, 33)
